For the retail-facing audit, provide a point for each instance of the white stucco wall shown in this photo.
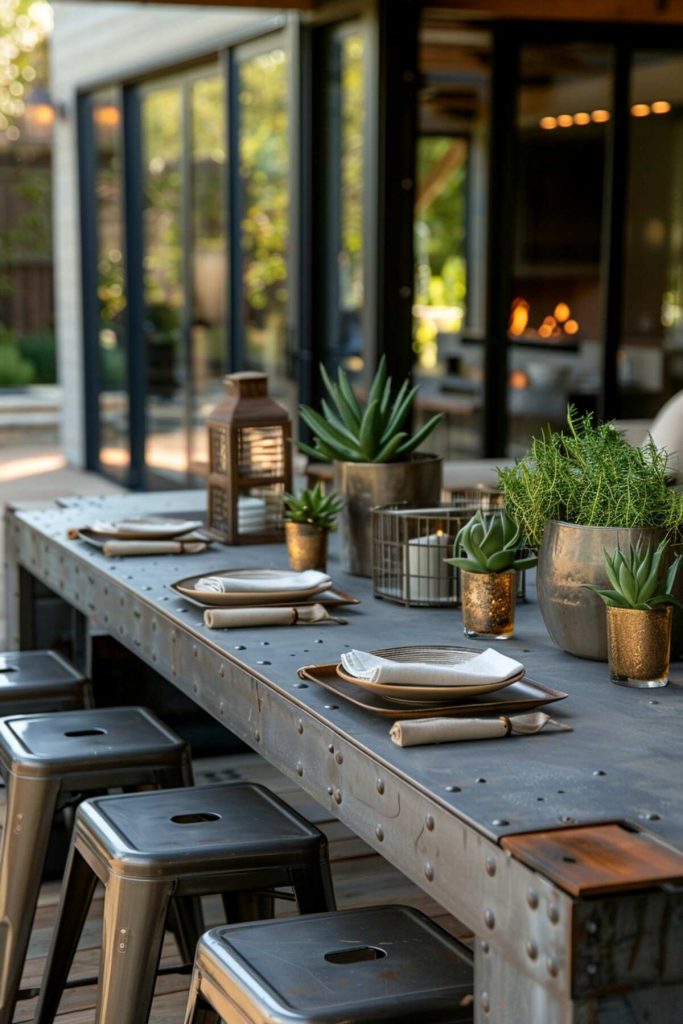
(93, 43)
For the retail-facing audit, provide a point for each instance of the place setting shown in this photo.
(241, 597)
(437, 693)
(150, 535)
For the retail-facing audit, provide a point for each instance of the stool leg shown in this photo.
(77, 892)
(241, 907)
(132, 935)
(313, 888)
(198, 1010)
(186, 921)
(30, 809)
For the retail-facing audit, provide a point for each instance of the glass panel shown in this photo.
(650, 360)
(114, 433)
(556, 315)
(263, 165)
(166, 440)
(208, 256)
(346, 160)
(450, 231)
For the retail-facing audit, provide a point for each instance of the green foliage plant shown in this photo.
(491, 543)
(590, 476)
(638, 579)
(15, 371)
(349, 432)
(314, 507)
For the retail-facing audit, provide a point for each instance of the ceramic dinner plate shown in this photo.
(210, 599)
(149, 528)
(410, 695)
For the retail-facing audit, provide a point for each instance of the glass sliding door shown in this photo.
(112, 338)
(650, 357)
(162, 121)
(262, 111)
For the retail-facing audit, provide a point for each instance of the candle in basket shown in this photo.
(427, 578)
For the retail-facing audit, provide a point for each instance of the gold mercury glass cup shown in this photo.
(488, 604)
(638, 646)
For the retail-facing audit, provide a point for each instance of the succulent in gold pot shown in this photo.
(639, 607)
(486, 552)
(309, 517)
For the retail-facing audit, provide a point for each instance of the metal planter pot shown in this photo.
(363, 485)
(569, 557)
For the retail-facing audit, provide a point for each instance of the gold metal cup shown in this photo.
(488, 604)
(638, 646)
(306, 546)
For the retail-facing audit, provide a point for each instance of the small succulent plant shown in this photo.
(349, 432)
(490, 542)
(312, 506)
(638, 579)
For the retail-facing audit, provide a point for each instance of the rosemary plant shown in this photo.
(590, 476)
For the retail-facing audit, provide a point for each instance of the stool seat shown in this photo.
(232, 840)
(356, 966)
(40, 681)
(74, 742)
(173, 832)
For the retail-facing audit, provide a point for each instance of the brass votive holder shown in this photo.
(488, 604)
(306, 546)
(638, 646)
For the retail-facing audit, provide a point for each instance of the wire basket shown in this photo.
(411, 542)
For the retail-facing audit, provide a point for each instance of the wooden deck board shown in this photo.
(361, 878)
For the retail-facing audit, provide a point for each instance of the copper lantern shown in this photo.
(250, 463)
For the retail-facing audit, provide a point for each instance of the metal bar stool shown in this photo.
(43, 756)
(37, 681)
(356, 967)
(145, 847)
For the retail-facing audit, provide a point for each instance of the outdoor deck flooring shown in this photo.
(361, 878)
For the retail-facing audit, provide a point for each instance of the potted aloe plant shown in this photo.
(488, 573)
(576, 494)
(375, 458)
(639, 607)
(309, 517)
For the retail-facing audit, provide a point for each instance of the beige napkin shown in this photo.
(232, 618)
(264, 580)
(118, 548)
(488, 667)
(420, 731)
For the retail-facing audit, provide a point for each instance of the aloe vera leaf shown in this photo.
(463, 563)
(611, 597)
(334, 421)
(348, 395)
(500, 561)
(402, 405)
(666, 599)
(611, 572)
(671, 574)
(520, 564)
(650, 584)
(378, 382)
(386, 399)
(422, 434)
(367, 439)
(626, 584)
(314, 453)
(386, 453)
(322, 429)
(346, 413)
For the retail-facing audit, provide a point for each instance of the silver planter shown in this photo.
(569, 557)
(363, 485)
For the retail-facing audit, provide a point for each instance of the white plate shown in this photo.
(210, 598)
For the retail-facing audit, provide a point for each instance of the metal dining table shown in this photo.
(562, 852)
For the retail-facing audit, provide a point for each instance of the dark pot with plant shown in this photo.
(639, 608)
(309, 517)
(375, 460)
(577, 495)
(486, 553)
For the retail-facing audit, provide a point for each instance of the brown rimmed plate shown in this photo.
(331, 597)
(188, 540)
(147, 528)
(523, 695)
(405, 693)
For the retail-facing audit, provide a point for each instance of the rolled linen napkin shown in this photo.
(421, 731)
(488, 667)
(118, 548)
(231, 618)
(260, 580)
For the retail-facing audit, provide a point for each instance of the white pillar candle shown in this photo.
(427, 578)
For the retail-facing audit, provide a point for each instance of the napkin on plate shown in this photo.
(119, 548)
(231, 618)
(420, 731)
(488, 667)
(143, 529)
(248, 582)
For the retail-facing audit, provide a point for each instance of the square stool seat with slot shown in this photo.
(36, 681)
(233, 839)
(43, 756)
(356, 966)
